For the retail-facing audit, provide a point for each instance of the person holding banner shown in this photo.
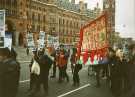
(77, 67)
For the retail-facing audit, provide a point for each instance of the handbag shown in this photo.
(35, 68)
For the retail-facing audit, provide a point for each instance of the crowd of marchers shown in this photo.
(41, 62)
(59, 59)
(118, 67)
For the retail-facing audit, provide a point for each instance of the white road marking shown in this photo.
(74, 90)
(24, 81)
(24, 61)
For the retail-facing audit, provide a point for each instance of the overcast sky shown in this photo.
(125, 18)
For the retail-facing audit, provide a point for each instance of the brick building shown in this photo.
(56, 17)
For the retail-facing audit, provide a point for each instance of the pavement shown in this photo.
(86, 89)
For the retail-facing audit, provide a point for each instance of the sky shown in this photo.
(92, 3)
(125, 18)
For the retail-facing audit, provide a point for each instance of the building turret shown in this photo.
(83, 6)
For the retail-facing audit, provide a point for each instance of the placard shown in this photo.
(8, 40)
(2, 28)
(49, 41)
(41, 41)
(30, 41)
(56, 42)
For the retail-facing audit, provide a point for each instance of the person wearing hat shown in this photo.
(9, 74)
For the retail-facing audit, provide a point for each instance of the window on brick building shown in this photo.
(33, 16)
(60, 21)
(67, 23)
(44, 18)
(21, 13)
(63, 21)
(38, 17)
(63, 31)
(44, 28)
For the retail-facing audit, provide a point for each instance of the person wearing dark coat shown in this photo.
(131, 74)
(76, 79)
(73, 59)
(116, 73)
(9, 74)
(45, 63)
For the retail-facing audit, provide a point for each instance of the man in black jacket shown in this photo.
(9, 74)
(45, 63)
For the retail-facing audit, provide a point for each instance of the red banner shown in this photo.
(94, 36)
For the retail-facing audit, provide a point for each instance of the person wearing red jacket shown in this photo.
(62, 59)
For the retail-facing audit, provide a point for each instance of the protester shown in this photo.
(9, 74)
(34, 78)
(27, 51)
(116, 72)
(77, 68)
(73, 59)
(105, 66)
(131, 73)
(54, 63)
(62, 64)
(45, 63)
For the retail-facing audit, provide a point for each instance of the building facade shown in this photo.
(56, 17)
(109, 8)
